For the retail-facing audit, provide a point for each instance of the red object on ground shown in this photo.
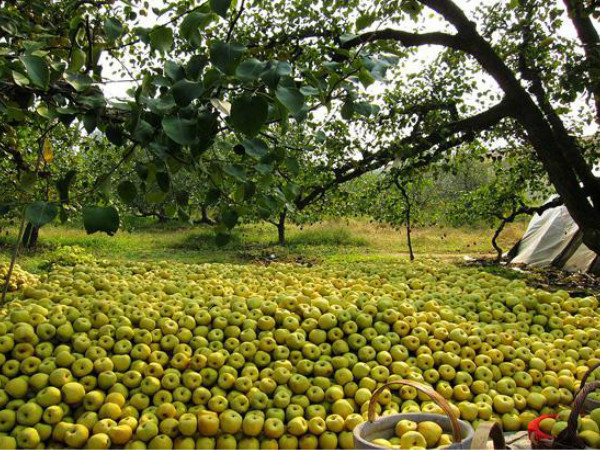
(534, 432)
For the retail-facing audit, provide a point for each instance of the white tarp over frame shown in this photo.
(546, 238)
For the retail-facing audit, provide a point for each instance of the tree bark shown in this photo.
(523, 210)
(407, 217)
(281, 229)
(30, 236)
(588, 35)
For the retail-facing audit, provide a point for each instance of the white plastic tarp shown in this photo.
(546, 237)
(581, 260)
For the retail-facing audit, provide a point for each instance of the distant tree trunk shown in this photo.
(407, 217)
(205, 219)
(30, 236)
(281, 229)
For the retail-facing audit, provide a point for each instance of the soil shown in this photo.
(548, 278)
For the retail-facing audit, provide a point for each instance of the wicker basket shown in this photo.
(568, 437)
(462, 432)
(589, 404)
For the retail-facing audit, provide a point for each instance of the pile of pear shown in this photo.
(18, 280)
(169, 355)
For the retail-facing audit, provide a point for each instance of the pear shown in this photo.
(557, 428)
(412, 439)
(595, 415)
(431, 431)
(404, 426)
(587, 424)
(590, 437)
(382, 442)
(547, 424)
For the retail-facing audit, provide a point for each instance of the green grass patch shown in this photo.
(335, 235)
(332, 240)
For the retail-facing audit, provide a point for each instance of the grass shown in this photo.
(352, 240)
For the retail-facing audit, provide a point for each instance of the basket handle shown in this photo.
(587, 374)
(486, 430)
(435, 396)
(569, 435)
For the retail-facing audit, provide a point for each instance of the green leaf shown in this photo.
(182, 198)
(250, 70)
(37, 70)
(365, 77)
(226, 57)
(115, 134)
(192, 24)
(40, 213)
(348, 110)
(195, 66)
(183, 216)
(264, 168)
(174, 71)
(170, 210)
(185, 91)
(161, 38)
(156, 196)
(97, 218)
(127, 192)
(365, 109)
(291, 191)
(292, 165)
(27, 181)
(20, 79)
(222, 239)
(64, 184)
(112, 28)
(229, 218)
(364, 21)
(90, 121)
(236, 171)
(182, 131)
(143, 131)
(78, 57)
(79, 81)
(291, 98)
(220, 6)
(249, 114)
(164, 181)
(256, 148)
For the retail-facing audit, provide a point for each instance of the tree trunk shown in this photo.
(499, 251)
(281, 229)
(407, 217)
(205, 218)
(588, 35)
(30, 236)
(557, 150)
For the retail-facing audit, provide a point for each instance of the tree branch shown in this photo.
(463, 131)
(406, 39)
(523, 210)
(588, 35)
